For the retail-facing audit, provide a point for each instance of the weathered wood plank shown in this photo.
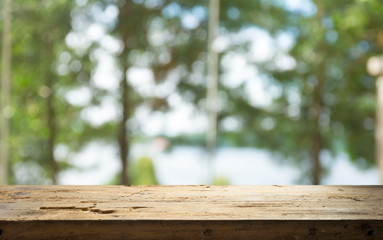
(191, 212)
(179, 229)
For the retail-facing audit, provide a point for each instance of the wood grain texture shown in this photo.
(191, 212)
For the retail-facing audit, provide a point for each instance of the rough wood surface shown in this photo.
(191, 212)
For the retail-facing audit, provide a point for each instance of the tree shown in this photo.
(212, 80)
(132, 17)
(5, 92)
(36, 99)
(136, 24)
(309, 117)
(333, 109)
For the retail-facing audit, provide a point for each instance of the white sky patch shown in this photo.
(343, 172)
(200, 12)
(174, 99)
(98, 164)
(151, 123)
(274, 90)
(261, 48)
(61, 152)
(154, 124)
(239, 67)
(236, 70)
(98, 115)
(29, 171)
(190, 20)
(79, 96)
(142, 80)
(305, 7)
(95, 32)
(171, 10)
(256, 92)
(182, 166)
(181, 120)
(110, 13)
(187, 165)
(284, 62)
(185, 120)
(285, 41)
(78, 41)
(111, 44)
(252, 166)
(221, 43)
(261, 44)
(107, 75)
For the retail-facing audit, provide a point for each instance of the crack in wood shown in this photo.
(138, 207)
(101, 211)
(89, 209)
(58, 208)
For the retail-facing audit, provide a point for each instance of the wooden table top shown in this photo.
(26, 203)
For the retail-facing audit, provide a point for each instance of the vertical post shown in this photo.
(5, 91)
(212, 85)
(375, 68)
(379, 126)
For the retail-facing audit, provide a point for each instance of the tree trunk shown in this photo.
(52, 130)
(5, 92)
(317, 168)
(317, 138)
(379, 126)
(126, 28)
(212, 86)
(123, 133)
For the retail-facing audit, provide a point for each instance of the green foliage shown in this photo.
(143, 172)
(43, 73)
(325, 101)
(221, 181)
(336, 95)
(327, 98)
(35, 51)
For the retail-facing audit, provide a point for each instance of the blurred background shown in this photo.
(190, 92)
